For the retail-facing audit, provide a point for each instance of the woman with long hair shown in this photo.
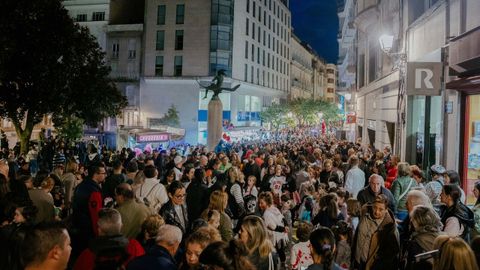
(219, 201)
(329, 214)
(253, 234)
(453, 253)
(274, 222)
(322, 247)
(457, 218)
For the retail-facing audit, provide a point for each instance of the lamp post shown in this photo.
(400, 58)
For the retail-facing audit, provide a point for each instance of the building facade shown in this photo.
(424, 128)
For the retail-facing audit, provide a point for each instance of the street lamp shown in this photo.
(400, 58)
(386, 43)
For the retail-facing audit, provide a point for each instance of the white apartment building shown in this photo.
(186, 43)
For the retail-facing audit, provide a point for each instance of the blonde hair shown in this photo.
(151, 225)
(213, 215)
(257, 236)
(48, 183)
(72, 166)
(218, 201)
(454, 253)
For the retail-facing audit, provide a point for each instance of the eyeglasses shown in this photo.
(179, 196)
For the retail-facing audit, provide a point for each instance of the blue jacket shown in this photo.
(157, 257)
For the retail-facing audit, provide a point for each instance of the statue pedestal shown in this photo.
(214, 124)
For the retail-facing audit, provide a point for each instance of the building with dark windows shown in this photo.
(188, 42)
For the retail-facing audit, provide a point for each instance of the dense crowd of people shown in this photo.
(301, 201)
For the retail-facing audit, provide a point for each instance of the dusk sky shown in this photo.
(316, 22)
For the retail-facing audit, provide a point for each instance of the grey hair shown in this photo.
(109, 221)
(169, 235)
(379, 177)
(418, 197)
(424, 217)
(403, 169)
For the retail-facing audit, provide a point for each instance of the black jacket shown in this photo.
(171, 217)
(197, 199)
(366, 195)
(464, 215)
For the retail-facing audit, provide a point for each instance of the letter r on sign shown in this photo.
(428, 78)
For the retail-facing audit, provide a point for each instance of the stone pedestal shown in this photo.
(214, 124)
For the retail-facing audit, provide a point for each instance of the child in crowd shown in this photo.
(214, 218)
(287, 205)
(354, 209)
(250, 188)
(300, 257)
(306, 209)
(343, 235)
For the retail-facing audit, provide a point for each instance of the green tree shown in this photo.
(275, 115)
(50, 65)
(71, 128)
(171, 117)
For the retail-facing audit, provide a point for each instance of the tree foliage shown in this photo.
(71, 128)
(300, 112)
(50, 65)
(171, 117)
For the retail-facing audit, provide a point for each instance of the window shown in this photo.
(179, 40)
(259, 34)
(115, 49)
(161, 15)
(269, 41)
(264, 35)
(178, 66)
(258, 55)
(251, 74)
(263, 57)
(260, 14)
(258, 76)
(269, 21)
(265, 17)
(180, 14)
(268, 60)
(247, 26)
(253, 53)
(246, 49)
(132, 49)
(330, 80)
(160, 40)
(81, 17)
(98, 16)
(246, 73)
(270, 5)
(159, 65)
(254, 9)
(248, 6)
(330, 90)
(253, 31)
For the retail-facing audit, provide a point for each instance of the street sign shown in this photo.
(424, 78)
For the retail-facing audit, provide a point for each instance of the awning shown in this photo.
(470, 85)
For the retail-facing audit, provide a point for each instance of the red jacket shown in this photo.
(86, 260)
(391, 176)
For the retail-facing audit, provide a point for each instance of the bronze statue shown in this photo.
(216, 85)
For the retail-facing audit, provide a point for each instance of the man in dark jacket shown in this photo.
(197, 195)
(374, 188)
(86, 204)
(252, 168)
(160, 256)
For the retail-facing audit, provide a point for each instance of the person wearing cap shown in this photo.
(434, 187)
(178, 161)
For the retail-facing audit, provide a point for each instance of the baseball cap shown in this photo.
(438, 169)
